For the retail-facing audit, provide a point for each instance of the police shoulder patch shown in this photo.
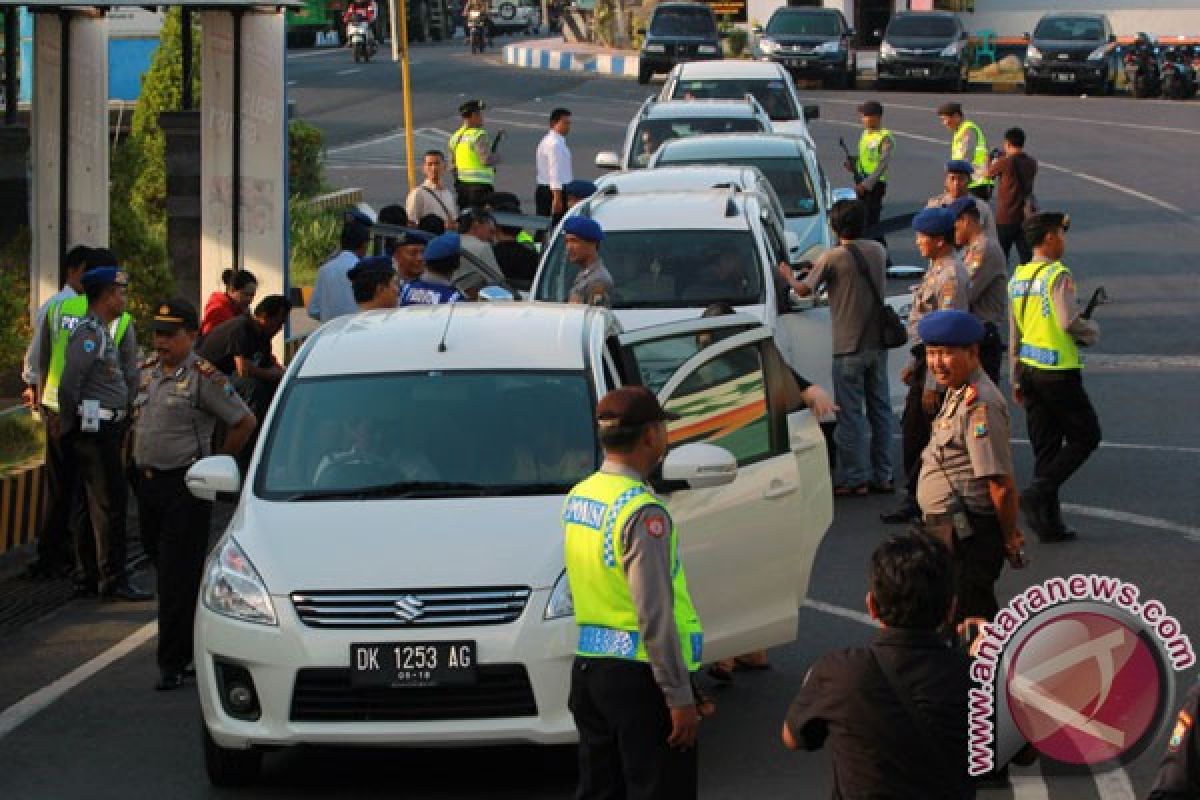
(205, 367)
(89, 345)
(656, 524)
(979, 421)
(971, 395)
(1182, 725)
(949, 289)
(151, 361)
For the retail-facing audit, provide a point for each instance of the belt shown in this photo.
(151, 473)
(106, 414)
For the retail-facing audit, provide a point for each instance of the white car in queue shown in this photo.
(394, 574)
(673, 253)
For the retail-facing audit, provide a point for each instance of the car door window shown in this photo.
(724, 402)
(652, 357)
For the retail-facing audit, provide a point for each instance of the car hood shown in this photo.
(669, 38)
(386, 544)
(1066, 46)
(919, 42)
(798, 38)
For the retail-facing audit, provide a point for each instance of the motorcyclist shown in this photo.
(482, 7)
(367, 9)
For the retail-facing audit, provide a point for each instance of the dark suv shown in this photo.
(925, 46)
(810, 43)
(678, 32)
(1076, 51)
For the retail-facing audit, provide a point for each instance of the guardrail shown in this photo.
(22, 501)
(342, 198)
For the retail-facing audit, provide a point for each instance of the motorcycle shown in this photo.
(1142, 69)
(358, 35)
(1178, 75)
(476, 30)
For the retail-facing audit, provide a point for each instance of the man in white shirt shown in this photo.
(333, 296)
(553, 166)
(432, 196)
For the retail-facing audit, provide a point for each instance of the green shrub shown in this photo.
(314, 240)
(14, 301)
(22, 438)
(306, 169)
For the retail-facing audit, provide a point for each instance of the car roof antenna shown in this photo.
(445, 330)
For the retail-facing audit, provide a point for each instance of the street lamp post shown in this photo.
(400, 53)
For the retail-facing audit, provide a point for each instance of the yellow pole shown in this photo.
(402, 13)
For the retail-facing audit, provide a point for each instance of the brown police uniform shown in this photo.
(969, 444)
(1179, 776)
(988, 298)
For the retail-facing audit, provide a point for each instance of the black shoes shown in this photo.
(1042, 514)
(904, 514)
(126, 592)
(169, 681)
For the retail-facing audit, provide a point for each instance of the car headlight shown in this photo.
(828, 48)
(768, 45)
(560, 603)
(707, 50)
(234, 589)
(887, 51)
(951, 50)
(655, 48)
(1099, 53)
(1033, 55)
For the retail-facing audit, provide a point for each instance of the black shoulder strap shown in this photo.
(861, 261)
(434, 195)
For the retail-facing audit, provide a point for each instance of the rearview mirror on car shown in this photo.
(606, 159)
(214, 475)
(699, 466)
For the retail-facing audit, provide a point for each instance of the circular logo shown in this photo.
(1085, 688)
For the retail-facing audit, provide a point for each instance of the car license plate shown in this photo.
(412, 664)
(918, 73)
(1064, 77)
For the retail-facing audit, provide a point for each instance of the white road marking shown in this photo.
(25, 709)
(840, 611)
(1029, 785)
(349, 71)
(1188, 532)
(1141, 361)
(1161, 448)
(315, 53)
(1114, 785)
(543, 115)
(492, 118)
(365, 166)
(427, 133)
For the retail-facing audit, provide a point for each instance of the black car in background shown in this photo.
(810, 43)
(925, 47)
(677, 32)
(1072, 50)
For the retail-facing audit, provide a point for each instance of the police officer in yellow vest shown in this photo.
(639, 635)
(1046, 332)
(968, 144)
(875, 148)
(474, 159)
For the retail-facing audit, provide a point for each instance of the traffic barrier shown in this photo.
(22, 506)
(571, 60)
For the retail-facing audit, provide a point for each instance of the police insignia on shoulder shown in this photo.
(979, 422)
(971, 395)
(88, 345)
(1182, 725)
(656, 526)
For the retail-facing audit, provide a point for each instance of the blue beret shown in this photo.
(958, 165)
(584, 227)
(104, 276)
(960, 205)
(375, 265)
(934, 221)
(579, 188)
(950, 328)
(447, 245)
(411, 236)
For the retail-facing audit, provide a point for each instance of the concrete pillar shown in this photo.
(14, 180)
(182, 132)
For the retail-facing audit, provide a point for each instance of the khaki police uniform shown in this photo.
(988, 298)
(593, 286)
(176, 411)
(969, 445)
(1179, 775)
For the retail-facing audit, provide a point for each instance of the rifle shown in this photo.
(1099, 298)
(852, 161)
(499, 138)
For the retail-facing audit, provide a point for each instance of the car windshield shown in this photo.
(789, 23)
(652, 133)
(788, 177)
(1069, 29)
(683, 22)
(772, 94)
(922, 26)
(429, 434)
(666, 269)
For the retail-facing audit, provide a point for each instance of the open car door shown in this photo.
(747, 546)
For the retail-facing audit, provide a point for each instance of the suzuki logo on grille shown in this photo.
(409, 608)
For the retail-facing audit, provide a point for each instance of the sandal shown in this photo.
(850, 491)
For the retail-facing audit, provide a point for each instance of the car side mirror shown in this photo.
(849, 32)
(791, 240)
(699, 466)
(811, 112)
(214, 475)
(845, 193)
(607, 159)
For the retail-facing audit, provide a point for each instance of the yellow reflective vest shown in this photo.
(978, 158)
(1044, 343)
(469, 166)
(61, 319)
(870, 151)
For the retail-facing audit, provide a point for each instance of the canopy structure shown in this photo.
(241, 129)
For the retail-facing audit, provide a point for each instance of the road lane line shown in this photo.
(25, 709)
(1114, 785)
(1186, 531)
(1161, 448)
(315, 53)
(1029, 785)
(1131, 361)
(839, 611)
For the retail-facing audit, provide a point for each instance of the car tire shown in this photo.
(644, 73)
(227, 767)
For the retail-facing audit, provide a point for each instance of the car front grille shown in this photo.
(325, 695)
(411, 608)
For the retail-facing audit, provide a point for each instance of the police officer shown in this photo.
(375, 284)
(639, 635)
(958, 176)
(435, 286)
(875, 148)
(577, 191)
(594, 283)
(180, 398)
(474, 159)
(968, 144)
(93, 400)
(966, 489)
(1046, 332)
(408, 254)
(988, 296)
(1179, 775)
(944, 287)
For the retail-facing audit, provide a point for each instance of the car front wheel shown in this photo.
(227, 767)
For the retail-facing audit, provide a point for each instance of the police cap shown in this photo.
(448, 245)
(1040, 224)
(934, 222)
(631, 406)
(962, 205)
(99, 277)
(951, 328)
(949, 109)
(471, 107)
(585, 228)
(173, 315)
(960, 166)
(409, 237)
(871, 109)
(374, 265)
(579, 188)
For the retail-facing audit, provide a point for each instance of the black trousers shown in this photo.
(984, 193)
(991, 352)
(473, 194)
(543, 200)
(179, 522)
(873, 200)
(66, 511)
(623, 726)
(1063, 427)
(978, 561)
(101, 549)
(1010, 235)
(915, 427)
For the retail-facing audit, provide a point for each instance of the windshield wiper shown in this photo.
(517, 489)
(395, 489)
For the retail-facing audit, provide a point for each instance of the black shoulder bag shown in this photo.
(892, 333)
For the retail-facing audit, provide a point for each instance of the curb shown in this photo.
(571, 61)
